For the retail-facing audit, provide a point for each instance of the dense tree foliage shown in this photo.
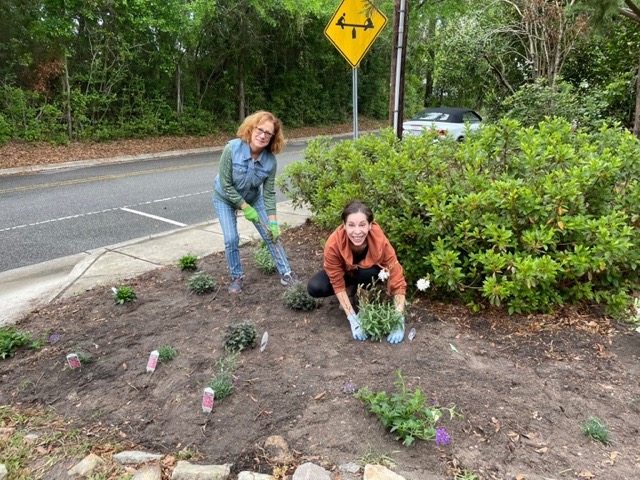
(101, 69)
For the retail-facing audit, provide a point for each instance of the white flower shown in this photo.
(384, 274)
(423, 284)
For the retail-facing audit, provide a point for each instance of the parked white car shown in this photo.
(449, 121)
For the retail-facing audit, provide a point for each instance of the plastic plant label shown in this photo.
(265, 340)
(412, 334)
(207, 400)
(74, 361)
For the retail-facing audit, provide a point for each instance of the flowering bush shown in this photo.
(526, 218)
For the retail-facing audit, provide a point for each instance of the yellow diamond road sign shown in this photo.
(353, 29)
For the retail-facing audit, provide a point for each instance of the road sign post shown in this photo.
(353, 28)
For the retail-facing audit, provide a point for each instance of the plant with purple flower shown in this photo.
(408, 414)
(442, 437)
(349, 388)
(54, 338)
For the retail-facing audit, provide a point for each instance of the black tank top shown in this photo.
(358, 257)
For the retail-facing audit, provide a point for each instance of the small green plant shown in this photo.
(201, 283)
(465, 475)
(10, 340)
(222, 383)
(166, 353)
(406, 414)
(188, 262)
(264, 260)
(240, 336)
(123, 294)
(84, 358)
(296, 297)
(597, 430)
(378, 316)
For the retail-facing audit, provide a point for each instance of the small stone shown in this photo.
(86, 466)
(277, 449)
(3, 471)
(310, 471)
(30, 438)
(134, 457)
(349, 468)
(378, 472)
(149, 472)
(254, 476)
(187, 471)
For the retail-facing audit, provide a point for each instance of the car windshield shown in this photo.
(433, 116)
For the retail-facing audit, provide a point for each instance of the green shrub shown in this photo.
(525, 218)
(378, 315)
(10, 340)
(240, 336)
(407, 414)
(595, 429)
(296, 297)
(188, 262)
(222, 383)
(123, 294)
(166, 353)
(201, 283)
(264, 259)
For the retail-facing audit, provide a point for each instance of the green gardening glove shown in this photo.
(251, 214)
(275, 231)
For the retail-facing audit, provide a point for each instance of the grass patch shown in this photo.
(596, 430)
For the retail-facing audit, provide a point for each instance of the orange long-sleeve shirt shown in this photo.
(338, 259)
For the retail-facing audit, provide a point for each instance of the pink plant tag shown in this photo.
(73, 361)
(207, 400)
(152, 363)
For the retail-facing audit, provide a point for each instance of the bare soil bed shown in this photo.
(525, 385)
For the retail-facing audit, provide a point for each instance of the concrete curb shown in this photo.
(28, 288)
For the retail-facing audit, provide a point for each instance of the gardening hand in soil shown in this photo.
(354, 255)
(246, 181)
(250, 214)
(397, 335)
(275, 231)
(356, 328)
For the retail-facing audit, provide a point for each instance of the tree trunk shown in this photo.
(67, 99)
(241, 100)
(428, 77)
(636, 121)
(179, 96)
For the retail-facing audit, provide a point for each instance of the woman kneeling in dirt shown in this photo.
(354, 255)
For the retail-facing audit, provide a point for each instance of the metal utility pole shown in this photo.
(398, 59)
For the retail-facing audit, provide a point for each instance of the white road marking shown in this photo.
(35, 224)
(155, 217)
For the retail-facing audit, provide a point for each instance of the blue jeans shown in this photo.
(229, 224)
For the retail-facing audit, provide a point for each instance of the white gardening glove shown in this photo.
(397, 335)
(356, 328)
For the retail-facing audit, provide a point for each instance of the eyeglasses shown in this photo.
(264, 132)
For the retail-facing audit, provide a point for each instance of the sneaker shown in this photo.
(236, 285)
(289, 279)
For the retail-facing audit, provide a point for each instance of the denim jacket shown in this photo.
(241, 180)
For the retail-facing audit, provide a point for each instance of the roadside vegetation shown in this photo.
(525, 218)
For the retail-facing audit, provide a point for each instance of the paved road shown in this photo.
(52, 214)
